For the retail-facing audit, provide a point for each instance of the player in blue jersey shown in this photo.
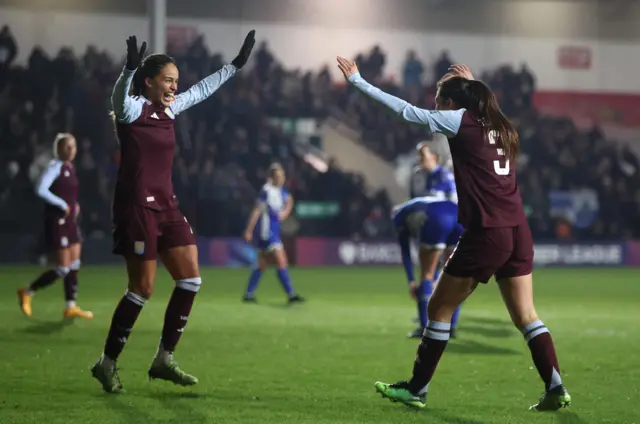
(435, 181)
(433, 222)
(263, 229)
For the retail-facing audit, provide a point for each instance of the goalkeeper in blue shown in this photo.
(433, 222)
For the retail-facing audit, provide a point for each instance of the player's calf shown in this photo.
(178, 310)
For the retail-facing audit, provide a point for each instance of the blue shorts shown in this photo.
(439, 232)
(267, 245)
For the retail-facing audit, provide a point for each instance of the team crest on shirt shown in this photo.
(138, 247)
(154, 115)
(170, 113)
(64, 242)
(67, 173)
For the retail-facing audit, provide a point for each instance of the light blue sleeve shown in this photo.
(203, 89)
(407, 263)
(126, 108)
(44, 184)
(445, 122)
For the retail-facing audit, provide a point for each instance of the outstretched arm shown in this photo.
(202, 89)
(210, 84)
(445, 122)
(126, 108)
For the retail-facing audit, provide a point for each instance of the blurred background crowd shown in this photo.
(226, 144)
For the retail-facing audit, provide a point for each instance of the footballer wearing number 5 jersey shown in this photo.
(497, 240)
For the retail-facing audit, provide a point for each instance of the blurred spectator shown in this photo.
(225, 145)
(442, 65)
(8, 52)
(412, 71)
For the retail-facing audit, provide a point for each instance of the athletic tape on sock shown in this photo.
(75, 265)
(190, 284)
(62, 271)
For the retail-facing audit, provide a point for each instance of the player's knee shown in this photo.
(62, 271)
(142, 287)
(525, 317)
(75, 265)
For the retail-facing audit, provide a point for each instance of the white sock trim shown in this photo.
(106, 361)
(437, 330)
(70, 303)
(62, 271)
(533, 330)
(423, 390)
(162, 356)
(75, 265)
(556, 380)
(190, 284)
(135, 298)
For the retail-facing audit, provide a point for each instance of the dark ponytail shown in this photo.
(477, 98)
(149, 68)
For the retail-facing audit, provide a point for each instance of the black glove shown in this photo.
(245, 50)
(134, 57)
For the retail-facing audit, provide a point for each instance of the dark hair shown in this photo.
(149, 68)
(477, 98)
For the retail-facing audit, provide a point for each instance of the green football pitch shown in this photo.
(317, 362)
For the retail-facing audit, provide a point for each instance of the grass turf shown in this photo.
(316, 363)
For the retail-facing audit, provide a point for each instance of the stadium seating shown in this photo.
(226, 144)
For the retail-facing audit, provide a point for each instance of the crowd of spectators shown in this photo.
(554, 153)
(226, 144)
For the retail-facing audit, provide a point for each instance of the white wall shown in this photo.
(614, 65)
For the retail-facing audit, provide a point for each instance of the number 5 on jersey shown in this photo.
(497, 167)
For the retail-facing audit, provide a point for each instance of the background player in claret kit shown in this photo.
(263, 228)
(431, 221)
(435, 181)
(497, 240)
(146, 219)
(58, 186)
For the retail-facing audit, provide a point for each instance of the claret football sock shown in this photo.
(124, 317)
(47, 278)
(434, 342)
(543, 353)
(178, 310)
